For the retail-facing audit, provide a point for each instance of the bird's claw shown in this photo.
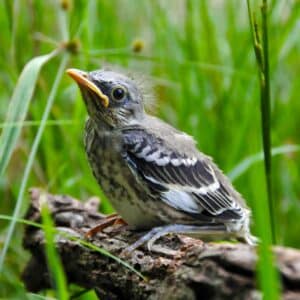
(111, 220)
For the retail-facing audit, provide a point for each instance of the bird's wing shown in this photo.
(188, 183)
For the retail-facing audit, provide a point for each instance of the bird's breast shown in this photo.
(115, 178)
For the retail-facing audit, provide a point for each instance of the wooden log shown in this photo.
(186, 268)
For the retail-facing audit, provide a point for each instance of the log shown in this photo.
(189, 269)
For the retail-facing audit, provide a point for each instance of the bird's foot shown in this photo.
(154, 234)
(110, 220)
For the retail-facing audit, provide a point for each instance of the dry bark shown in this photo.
(193, 270)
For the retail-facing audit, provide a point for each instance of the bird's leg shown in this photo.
(157, 232)
(110, 220)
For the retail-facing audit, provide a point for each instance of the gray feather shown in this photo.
(185, 178)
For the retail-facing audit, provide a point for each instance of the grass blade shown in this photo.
(37, 123)
(246, 163)
(267, 275)
(31, 158)
(262, 59)
(266, 115)
(263, 210)
(32, 296)
(55, 268)
(18, 106)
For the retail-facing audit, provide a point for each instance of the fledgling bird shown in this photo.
(153, 174)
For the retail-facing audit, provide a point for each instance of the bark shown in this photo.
(190, 270)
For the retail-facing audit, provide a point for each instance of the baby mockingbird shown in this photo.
(153, 174)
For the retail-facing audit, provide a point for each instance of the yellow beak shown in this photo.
(81, 79)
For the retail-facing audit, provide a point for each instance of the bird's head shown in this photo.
(109, 96)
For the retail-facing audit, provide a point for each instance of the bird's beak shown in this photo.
(82, 80)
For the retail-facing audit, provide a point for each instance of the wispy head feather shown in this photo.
(144, 83)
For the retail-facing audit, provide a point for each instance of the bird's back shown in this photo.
(186, 146)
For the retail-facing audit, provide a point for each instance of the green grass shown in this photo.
(201, 61)
(57, 275)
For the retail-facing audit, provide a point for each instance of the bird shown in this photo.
(153, 174)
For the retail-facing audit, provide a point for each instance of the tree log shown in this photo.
(190, 269)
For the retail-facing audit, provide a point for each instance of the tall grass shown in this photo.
(199, 56)
(57, 275)
(265, 216)
(31, 158)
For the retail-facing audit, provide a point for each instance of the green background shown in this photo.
(196, 59)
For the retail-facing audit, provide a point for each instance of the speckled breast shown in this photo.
(103, 148)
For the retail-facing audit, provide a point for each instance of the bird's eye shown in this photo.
(118, 93)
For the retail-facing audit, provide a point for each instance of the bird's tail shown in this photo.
(244, 234)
